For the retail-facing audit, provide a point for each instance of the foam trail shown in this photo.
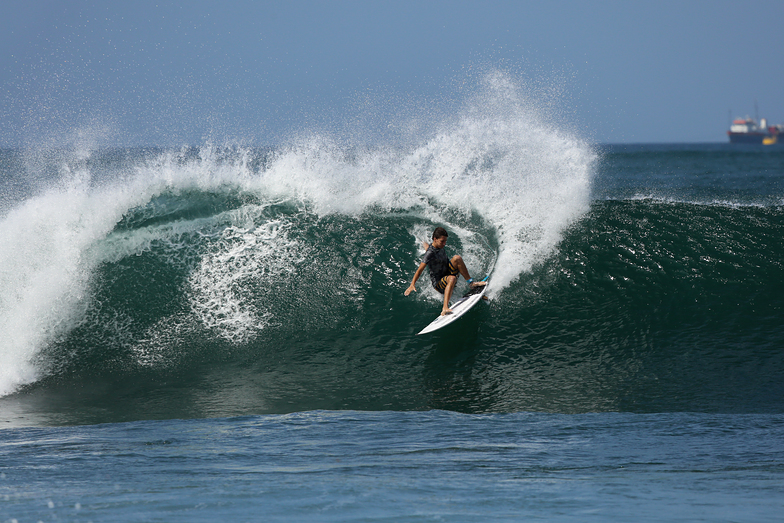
(244, 253)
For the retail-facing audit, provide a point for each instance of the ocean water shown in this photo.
(220, 332)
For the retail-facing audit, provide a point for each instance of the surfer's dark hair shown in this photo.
(440, 232)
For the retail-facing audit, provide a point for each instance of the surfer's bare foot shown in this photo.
(475, 284)
(446, 311)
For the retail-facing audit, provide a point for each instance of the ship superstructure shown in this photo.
(746, 130)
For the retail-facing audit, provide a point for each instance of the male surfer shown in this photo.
(443, 271)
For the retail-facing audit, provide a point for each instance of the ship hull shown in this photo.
(752, 138)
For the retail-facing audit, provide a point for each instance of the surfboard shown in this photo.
(460, 307)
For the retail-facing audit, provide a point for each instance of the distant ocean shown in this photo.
(220, 332)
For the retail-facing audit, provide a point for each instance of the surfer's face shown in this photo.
(439, 243)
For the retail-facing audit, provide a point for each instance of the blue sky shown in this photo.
(171, 73)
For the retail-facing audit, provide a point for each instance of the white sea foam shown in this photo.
(44, 274)
(48, 254)
(243, 254)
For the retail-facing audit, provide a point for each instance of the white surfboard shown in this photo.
(460, 307)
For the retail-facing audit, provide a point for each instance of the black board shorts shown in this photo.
(440, 284)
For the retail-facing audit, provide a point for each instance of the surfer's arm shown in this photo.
(417, 274)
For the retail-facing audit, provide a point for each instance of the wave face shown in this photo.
(217, 281)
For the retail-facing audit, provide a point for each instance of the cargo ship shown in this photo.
(746, 130)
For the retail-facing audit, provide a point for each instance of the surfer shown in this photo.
(443, 271)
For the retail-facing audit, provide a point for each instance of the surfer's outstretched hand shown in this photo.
(410, 289)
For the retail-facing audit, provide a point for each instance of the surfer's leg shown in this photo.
(458, 264)
(451, 280)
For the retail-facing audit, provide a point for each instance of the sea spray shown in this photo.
(501, 159)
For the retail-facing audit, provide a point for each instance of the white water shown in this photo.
(44, 274)
(500, 156)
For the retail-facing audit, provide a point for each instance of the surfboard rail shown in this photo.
(459, 308)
